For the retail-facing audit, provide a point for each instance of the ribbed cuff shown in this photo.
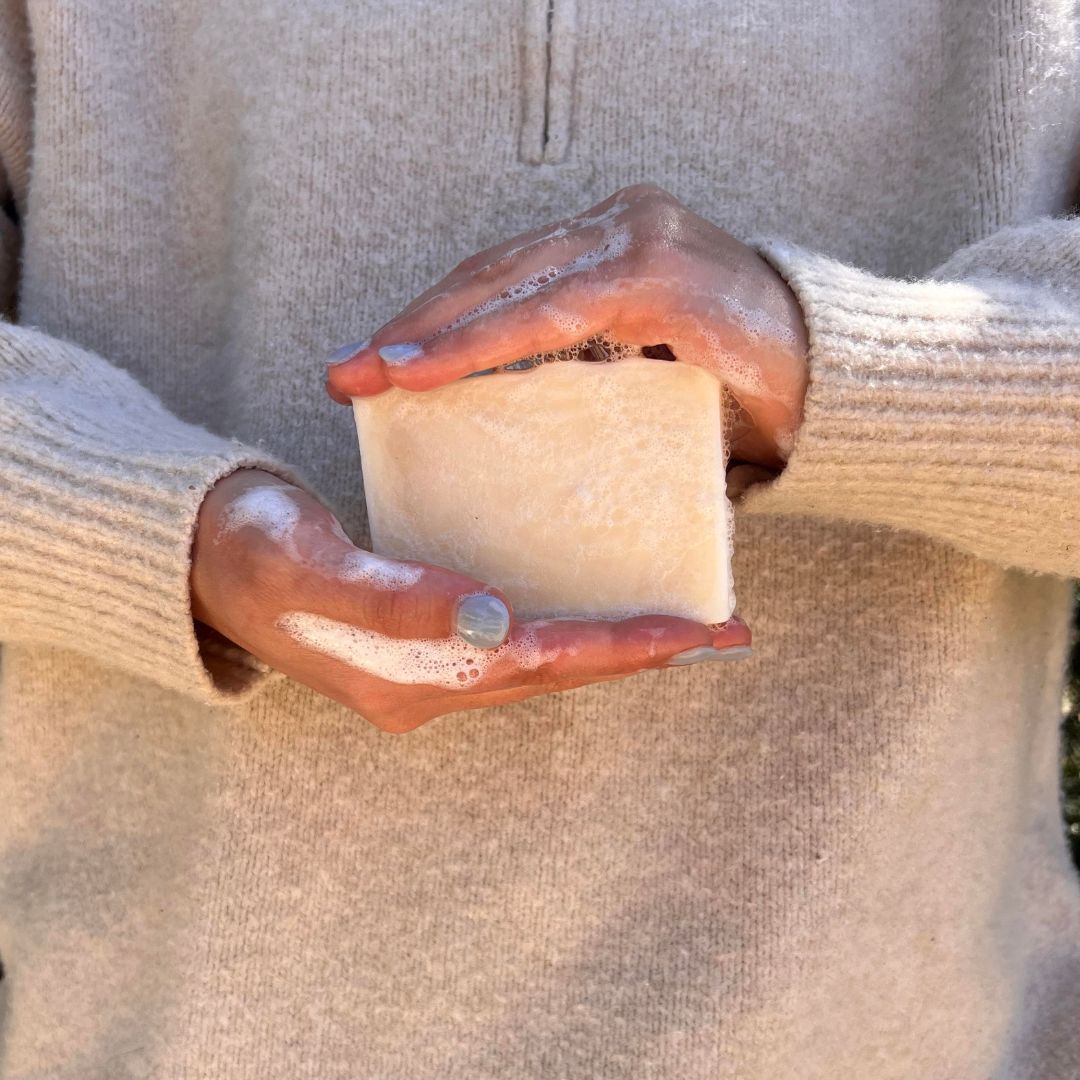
(100, 496)
(944, 407)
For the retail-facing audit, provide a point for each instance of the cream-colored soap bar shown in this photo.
(577, 488)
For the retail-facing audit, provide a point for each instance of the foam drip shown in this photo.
(449, 663)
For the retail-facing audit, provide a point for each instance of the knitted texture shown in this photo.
(948, 408)
(842, 858)
(101, 488)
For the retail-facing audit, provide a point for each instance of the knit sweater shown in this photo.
(842, 858)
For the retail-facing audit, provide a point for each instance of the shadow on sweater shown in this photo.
(1070, 735)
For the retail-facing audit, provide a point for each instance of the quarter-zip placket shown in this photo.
(548, 80)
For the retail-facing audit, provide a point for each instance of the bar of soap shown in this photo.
(579, 489)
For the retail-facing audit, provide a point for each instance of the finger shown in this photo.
(357, 369)
(484, 284)
(480, 269)
(302, 560)
(558, 315)
(402, 598)
(500, 264)
(462, 302)
(345, 399)
(571, 654)
(556, 652)
(498, 255)
(591, 650)
(416, 713)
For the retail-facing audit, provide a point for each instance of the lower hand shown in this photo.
(639, 268)
(273, 571)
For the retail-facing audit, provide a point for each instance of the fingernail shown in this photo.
(703, 653)
(347, 352)
(400, 354)
(483, 621)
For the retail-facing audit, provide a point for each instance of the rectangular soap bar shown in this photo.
(579, 489)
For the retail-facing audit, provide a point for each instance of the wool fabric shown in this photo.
(843, 858)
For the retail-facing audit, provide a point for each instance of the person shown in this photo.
(220, 854)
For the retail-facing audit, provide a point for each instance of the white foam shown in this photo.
(268, 508)
(272, 510)
(365, 568)
(613, 244)
(739, 375)
(449, 663)
(756, 322)
(612, 212)
(557, 232)
(569, 322)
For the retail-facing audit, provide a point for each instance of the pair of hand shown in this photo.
(402, 643)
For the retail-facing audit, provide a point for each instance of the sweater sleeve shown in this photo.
(948, 406)
(100, 486)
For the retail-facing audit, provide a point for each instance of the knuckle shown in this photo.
(385, 611)
(662, 225)
(399, 613)
(261, 578)
(512, 676)
(371, 608)
(645, 192)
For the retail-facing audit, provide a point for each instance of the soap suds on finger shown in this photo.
(449, 663)
(273, 511)
(556, 232)
(374, 570)
(613, 244)
(365, 568)
(268, 508)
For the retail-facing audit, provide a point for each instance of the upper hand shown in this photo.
(273, 571)
(640, 268)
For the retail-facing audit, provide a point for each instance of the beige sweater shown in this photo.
(842, 859)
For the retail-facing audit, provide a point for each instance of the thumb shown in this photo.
(406, 599)
(264, 547)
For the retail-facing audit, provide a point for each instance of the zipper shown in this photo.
(548, 80)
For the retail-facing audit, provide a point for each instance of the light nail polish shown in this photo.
(346, 352)
(482, 620)
(706, 653)
(400, 354)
